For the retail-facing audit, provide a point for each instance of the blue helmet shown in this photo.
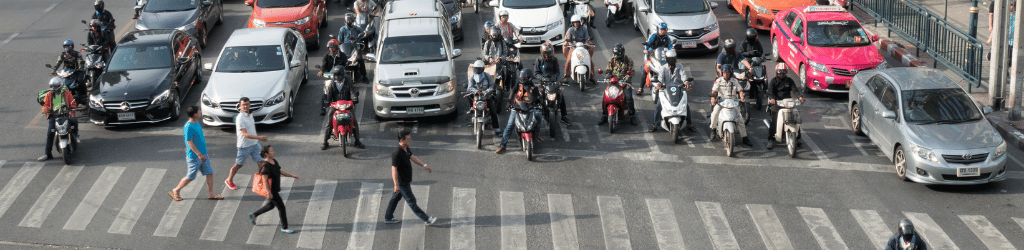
(662, 25)
(69, 42)
(488, 25)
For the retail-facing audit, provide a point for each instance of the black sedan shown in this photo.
(195, 17)
(149, 75)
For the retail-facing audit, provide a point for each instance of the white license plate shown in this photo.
(415, 111)
(968, 171)
(126, 116)
(533, 39)
(688, 44)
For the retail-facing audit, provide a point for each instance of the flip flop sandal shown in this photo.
(216, 198)
(175, 198)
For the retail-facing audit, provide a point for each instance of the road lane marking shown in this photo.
(137, 201)
(10, 38)
(17, 184)
(463, 222)
(873, 226)
(268, 223)
(1014, 159)
(814, 146)
(987, 232)
(1020, 221)
(666, 228)
(717, 225)
(413, 228)
(769, 226)
(822, 229)
(707, 138)
(860, 144)
(52, 194)
(564, 235)
(613, 222)
(49, 9)
(176, 212)
(94, 199)
(832, 118)
(220, 220)
(314, 226)
(513, 221)
(364, 225)
(937, 239)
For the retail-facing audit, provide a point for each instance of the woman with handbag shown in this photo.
(271, 173)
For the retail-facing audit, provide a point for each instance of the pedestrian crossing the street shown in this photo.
(764, 226)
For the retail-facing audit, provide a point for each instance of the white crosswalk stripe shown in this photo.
(665, 226)
(936, 238)
(413, 228)
(18, 184)
(224, 212)
(987, 232)
(769, 226)
(564, 235)
(50, 196)
(463, 234)
(1020, 221)
(364, 225)
(314, 226)
(174, 217)
(717, 225)
(873, 226)
(94, 199)
(513, 220)
(137, 201)
(268, 223)
(613, 222)
(822, 229)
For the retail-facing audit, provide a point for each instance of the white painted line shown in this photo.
(987, 232)
(822, 229)
(564, 235)
(10, 38)
(601, 137)
(137, 201)
(314, 226)
(268, 223)
(937, 239)
(413, 228)
(18, 184)
(826, 125)
(37, 214)
(50, 8)
(857, 143)
(513, 221)
(224, 212)
(1020, 221)
(613, 221)
(94, 199)
(666, 228)
(873, 226)
(175, 215)
(717, 225)
(1014, 159)
(769, 226)
(364, 225)
(814, 146)
(463, 222)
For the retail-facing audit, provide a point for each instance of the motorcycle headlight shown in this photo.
(445, 88)
(189, 26)
(554, 25)
(208, 102)
(712, 27)
(96, 102)
(278, 98)
(1000, 150)
(301, 21)
(612, 92)
(923, 152)
(258, 23)
(760, 9)
(551, 97)
(818, 67)
(882, 65)
(162, 97)
(382, 90)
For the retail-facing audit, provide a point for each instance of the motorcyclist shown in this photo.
(55, 99)
(70, 59)
(487, 33)
(673, 75)
(617, 69)
(547, 67)
(780, 87)
(905, 238)
(727, 57)
(727, 88)
(751, 47)
(496, 48)
(334, 57)
(507, 29)
(103, 15)
(657, 40)
(363, 7)
(351, 34)
(525, 94)
(482, 81)
(345, 93)
(574, 36)
(97, 37)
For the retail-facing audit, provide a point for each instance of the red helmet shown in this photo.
(614, 80)
(780, 69)
(333, 43)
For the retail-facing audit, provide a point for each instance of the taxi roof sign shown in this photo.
(824, 8)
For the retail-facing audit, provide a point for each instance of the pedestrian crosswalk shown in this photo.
(619, 222)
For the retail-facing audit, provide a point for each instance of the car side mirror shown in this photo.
(874, 38)
(888, 114)
(207, 3)
(137, 8)
(714, 5)
(249, 2)
(986, 110)
(373, 57)
(495, 3)
(795, 40)
(644, 9)
(562, 1)
(208, 66)
(296, 63)
(456, 53)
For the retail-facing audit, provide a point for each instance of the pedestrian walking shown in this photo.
(247, 142)
(401, 174)
(195, 156)
(272, 172)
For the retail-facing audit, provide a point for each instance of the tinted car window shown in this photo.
(789, 19)
(950, 105)
(888, 98)
(170, 5)
(875, 86)
(527, 4)
(798, 28)
(251, 59)
(280, 3)
(678, 7)
(140, 57)
(836, 34)
(413, 49)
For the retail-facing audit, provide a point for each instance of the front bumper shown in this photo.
(308, 30)
(144, 113)
(761, 21)
(837, 80)
(397, 107)
(942, 172)
(264, 115)
(535, 39)
(704, 43)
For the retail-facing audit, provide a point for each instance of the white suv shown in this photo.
(539, 20)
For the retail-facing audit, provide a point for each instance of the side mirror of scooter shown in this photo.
(600, 71)
(714, 5)
(84, 22)
(208, 66)
(986, 110)
(371, 57)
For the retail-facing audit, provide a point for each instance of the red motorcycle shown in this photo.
(338, 126)
(613, 102)
(526, 122)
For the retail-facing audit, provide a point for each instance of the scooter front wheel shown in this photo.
(675, 133)
(729, 143)
(791, 144)
(478, 128)
(67, 153)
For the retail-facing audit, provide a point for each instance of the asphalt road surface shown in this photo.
(586, 189)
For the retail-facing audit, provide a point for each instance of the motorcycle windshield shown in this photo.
(525, 121)
(675, 95)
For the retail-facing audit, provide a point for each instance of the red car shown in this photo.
(306, 16)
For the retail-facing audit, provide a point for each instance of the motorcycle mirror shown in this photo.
(207, 3)
(83, 45)
(644, 43)
(317, 66)
(49, 66)
(83, 21)
(630, 72)
(371, 57)
(599, 71)
(689, 79)
(714, 5)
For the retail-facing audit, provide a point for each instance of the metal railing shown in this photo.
(930, 33)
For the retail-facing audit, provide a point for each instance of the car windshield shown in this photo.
(140, 57)
(527, 4)
(251, 59)
(843, 33)
(413, 49)
(928, 106)
(679, 7)
(170, 5)
(280, 3)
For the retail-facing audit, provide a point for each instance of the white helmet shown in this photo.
(503, 13)
(478, 64)
(576, 18)
(670, 53)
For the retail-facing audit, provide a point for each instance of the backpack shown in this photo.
(42, 97)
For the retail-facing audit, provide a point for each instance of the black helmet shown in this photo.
(338, 72)
(906, 228)
(618, 51)
(349, 18)
(69, 46)
(95, 23)
(729, 46)
(523, 74)
(727, 70)
(98, 4)
(751, 34)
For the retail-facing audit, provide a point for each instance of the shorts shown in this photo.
(250, 151)
(195, 166)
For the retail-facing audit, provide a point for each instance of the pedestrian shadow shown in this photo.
(479, 222)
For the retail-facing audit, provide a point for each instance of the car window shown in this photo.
(251, 59)
(413, 49)
(181, 45)
(875, 86)
(289, 42)
(838, 33)
(170, 5)
(789, 19)
(950, 105)
(679, 7)
(888, 98)
(798, 28)
(527, 4)
(281, 3)
(140, 57)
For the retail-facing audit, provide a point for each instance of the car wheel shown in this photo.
(899, 160)
(175, 106)
(775, 50)
(316, 43)
(636, 25)
(728, 4)
(220, 17)
(747, 18)
(203, 38)
(305, 72)
(855, 120)
(291, 109)
(803, 79)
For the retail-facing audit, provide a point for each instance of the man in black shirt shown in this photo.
(779, 88)
(401, 174)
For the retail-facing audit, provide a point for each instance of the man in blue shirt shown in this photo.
(351, 34)
(195, 156)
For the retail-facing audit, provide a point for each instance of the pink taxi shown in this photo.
(825, 45)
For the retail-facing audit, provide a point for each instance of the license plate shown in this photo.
(968, 171)
(126, 116)
(688, 44)
(415, 111)
(533, 39)
(849, 82)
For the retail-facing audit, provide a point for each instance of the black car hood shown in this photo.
(167, 20)
(133, 84)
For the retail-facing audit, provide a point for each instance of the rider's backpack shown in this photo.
(42, 97)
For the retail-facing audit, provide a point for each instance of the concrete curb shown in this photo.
(1006, 129)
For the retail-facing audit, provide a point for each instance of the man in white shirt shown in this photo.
(248, 143)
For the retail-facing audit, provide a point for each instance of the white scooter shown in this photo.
(787, 126)
(728, 116)
(580, 64)
(583, 9)
(673, 109)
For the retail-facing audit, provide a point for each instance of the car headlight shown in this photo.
(554, 25)
(140, 26)
(382, 90)
(258, 23)
(189, 26)
(818, 67)
(923, 152)
(882, 65)
(445, 88)
(161, 97)
(278, 98)
(301, 21)
(712, 27)
(1000, 150)
(209, 103)
(96, 102)
(760, 9)
(455, 17)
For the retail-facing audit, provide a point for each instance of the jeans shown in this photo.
(271, 204)
(52, 128)
(511, 125)
(404, 191)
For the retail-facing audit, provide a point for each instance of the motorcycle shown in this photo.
(756, 79)
(617, 11)
(674, 108)
(67, 75)
(368, 39)
(583, 9)
(526, 122)
(95, 64)
(551, 89)
(338, 126)
(66, 136)
(336, 84)
(787, 127)
(653, 64)
(727, 119)
(106, 29)
(613, 103)
(745, 86)
(480, 111)
(581, 64)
